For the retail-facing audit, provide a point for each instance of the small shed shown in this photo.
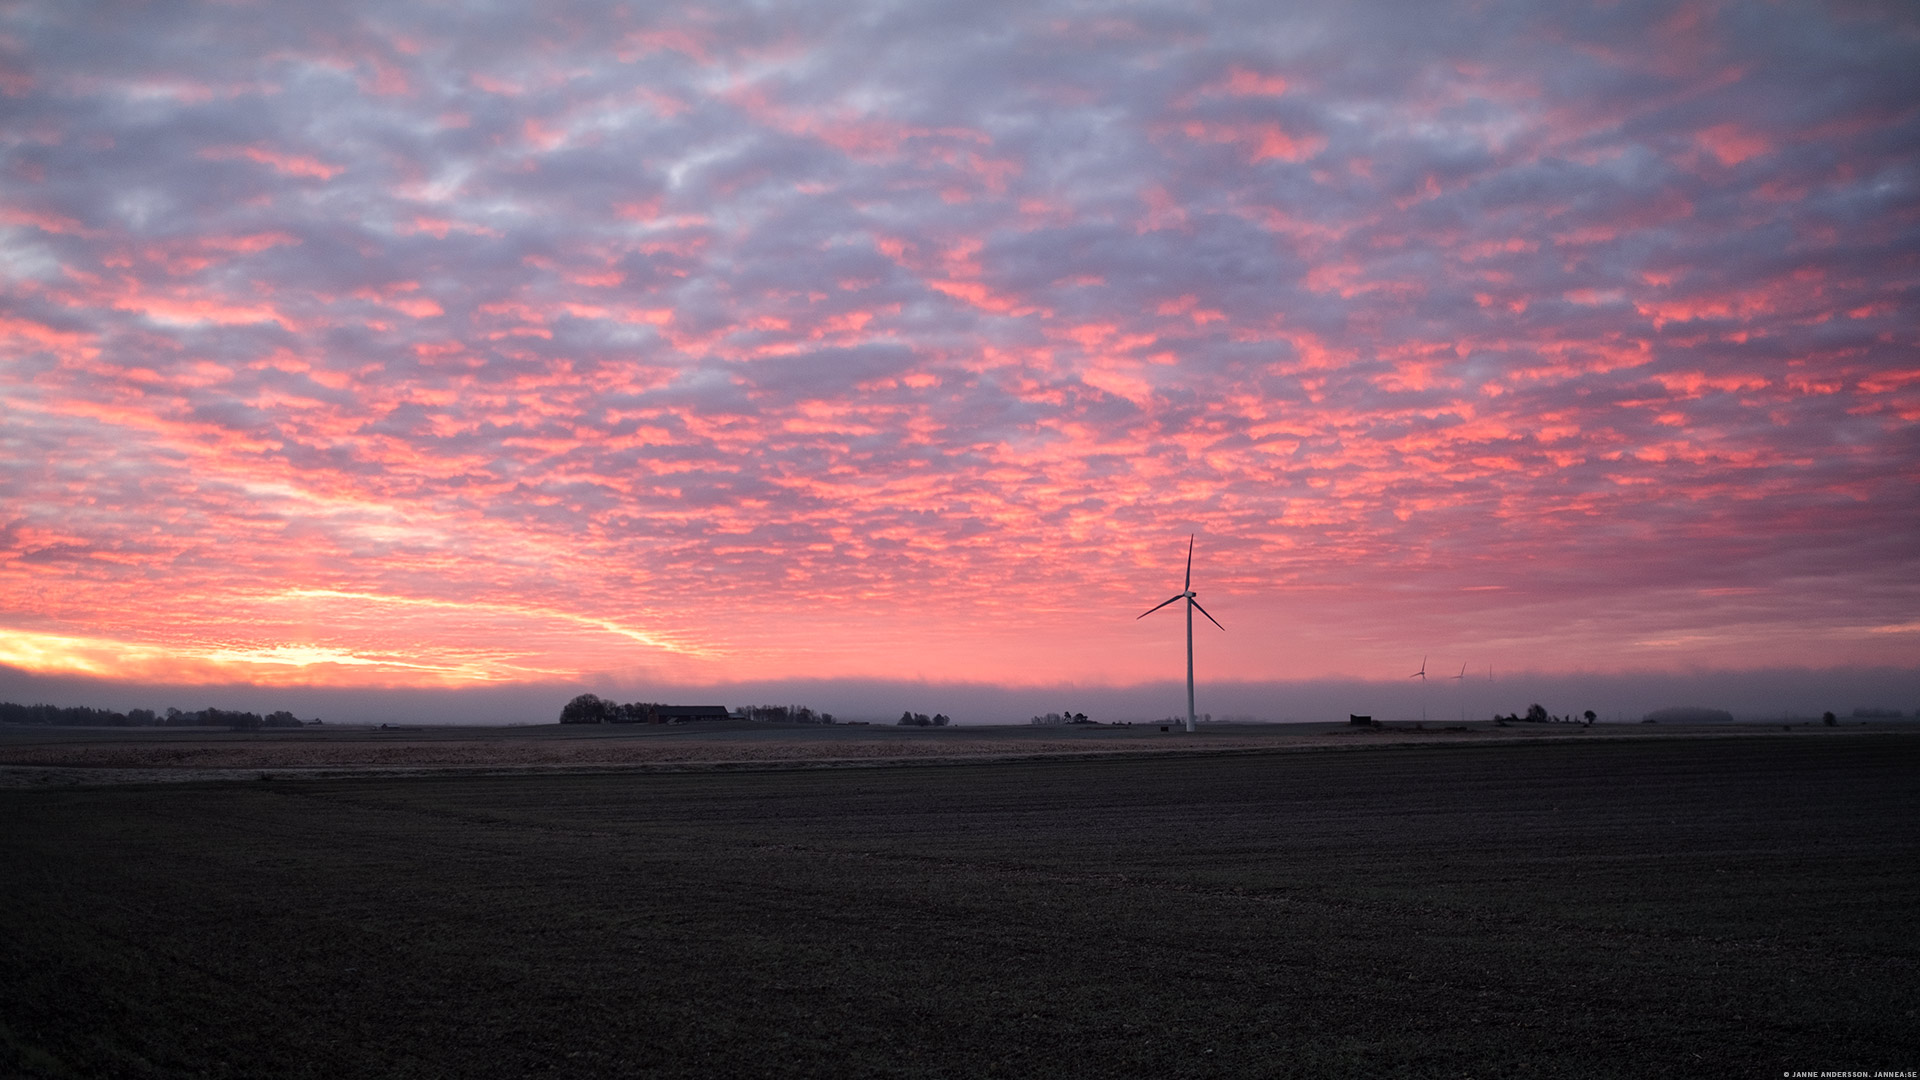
(1359, 721)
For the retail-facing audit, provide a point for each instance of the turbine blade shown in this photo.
(1189, 585)
(1158, 606)
(1203, 611)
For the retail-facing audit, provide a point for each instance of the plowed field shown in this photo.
(1736, 906)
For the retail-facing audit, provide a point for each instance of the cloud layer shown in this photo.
(396, 345)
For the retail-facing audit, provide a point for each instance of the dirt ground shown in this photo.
(1610, 905)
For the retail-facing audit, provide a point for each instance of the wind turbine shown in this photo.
(1186, 593)
(1460, 684)
(1422, 676)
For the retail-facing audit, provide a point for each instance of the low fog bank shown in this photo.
(1763, 695)
(1623, 698)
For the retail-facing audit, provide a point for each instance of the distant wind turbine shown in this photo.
(1422, 673)
(1422, 676)
(1460, 684)
(1186, 593)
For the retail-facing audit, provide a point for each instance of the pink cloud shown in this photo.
(1732, 145)
(287, 164)
(1259, 141)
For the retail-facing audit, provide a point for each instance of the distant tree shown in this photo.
(940, 720)
(1829, 719)
(143, 717)
(585, 709)
(55, 714)
(1590, 717)
(1536, 714)
(633, 712)
(237, 721)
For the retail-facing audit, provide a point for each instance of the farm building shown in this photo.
(591, 709)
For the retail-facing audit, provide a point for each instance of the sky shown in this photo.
(456, 346)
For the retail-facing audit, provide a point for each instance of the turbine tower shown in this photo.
(1187, 594)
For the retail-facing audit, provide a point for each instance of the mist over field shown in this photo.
(1762, 695)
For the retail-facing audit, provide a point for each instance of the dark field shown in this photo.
(1737, 906)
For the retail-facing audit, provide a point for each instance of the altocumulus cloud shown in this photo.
(389, 344)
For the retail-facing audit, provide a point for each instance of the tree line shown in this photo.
(86, 716)
(594, 709)
(785, 714)
(1537, 714)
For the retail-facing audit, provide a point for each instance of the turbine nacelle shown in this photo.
(1191, 597)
